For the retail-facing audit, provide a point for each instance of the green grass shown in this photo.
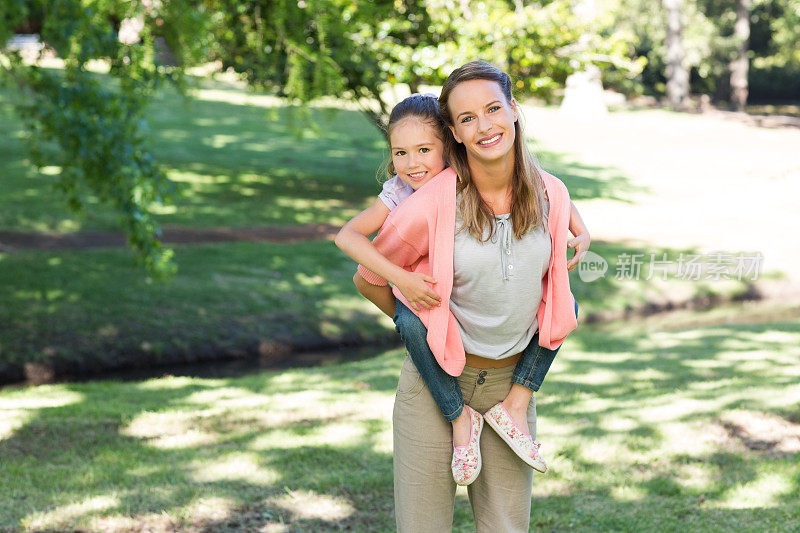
(691, 430)
(237, 162)
(79, 309)
(90, 310)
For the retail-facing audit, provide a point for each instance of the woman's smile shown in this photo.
(484, 118)
(491, 141)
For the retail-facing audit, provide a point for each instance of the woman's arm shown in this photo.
(352, 240)
(582, 238)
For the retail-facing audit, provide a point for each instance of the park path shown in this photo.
(704, 182)
(83, 240)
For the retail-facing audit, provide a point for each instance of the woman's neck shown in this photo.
(493, 179)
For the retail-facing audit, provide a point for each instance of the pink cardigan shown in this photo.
(419, 236)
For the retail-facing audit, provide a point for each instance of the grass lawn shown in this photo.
(93, 309)
(83, 311)
(239, 163)
(690, 430)
(236, 159)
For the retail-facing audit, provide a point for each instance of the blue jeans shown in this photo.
(530, 371)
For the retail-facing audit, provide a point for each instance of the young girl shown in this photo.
(416, 134)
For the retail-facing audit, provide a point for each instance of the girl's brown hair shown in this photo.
(423, 107)
(527, 209)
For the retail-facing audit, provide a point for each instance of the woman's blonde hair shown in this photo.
(526, 185)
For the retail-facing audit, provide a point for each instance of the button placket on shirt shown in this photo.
(503, 234)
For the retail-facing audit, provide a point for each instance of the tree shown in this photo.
(741, 64)
(300, 49)
(94, 130)
(712, 49)
(677, 73)
(312, 48)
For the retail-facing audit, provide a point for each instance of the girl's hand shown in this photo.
(581, 246)
(415, 288)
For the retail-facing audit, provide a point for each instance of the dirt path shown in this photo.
(705, 182)
(84, 240)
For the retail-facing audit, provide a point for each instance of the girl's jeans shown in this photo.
(529, 372)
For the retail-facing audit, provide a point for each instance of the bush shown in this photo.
(774, 83)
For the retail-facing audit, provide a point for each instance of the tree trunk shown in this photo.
(740, 65)
(677, 73)
(465, 9)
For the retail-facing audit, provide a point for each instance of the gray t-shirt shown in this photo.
(497, 287)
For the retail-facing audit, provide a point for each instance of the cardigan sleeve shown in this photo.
(556, 312)
(403, 240)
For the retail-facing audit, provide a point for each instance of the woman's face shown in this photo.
(483, 120)
(417, 151)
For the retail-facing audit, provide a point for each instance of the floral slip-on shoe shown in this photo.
(523, 444)
(466, 464)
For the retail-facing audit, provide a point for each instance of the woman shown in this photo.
(470, 232)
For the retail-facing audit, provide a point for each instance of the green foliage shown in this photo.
(533, 44)
(710, 45)
(94, 132)
(314, 48)
(644, 21)
(774, 83)
(101, 150)
(307, 49)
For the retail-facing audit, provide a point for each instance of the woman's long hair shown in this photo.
(526, 186)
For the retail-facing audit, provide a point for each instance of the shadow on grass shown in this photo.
(306, 448)
(84, 312)
(589, 182)
(239, 164)
(234, 164)
(94, 448)
(654, 514)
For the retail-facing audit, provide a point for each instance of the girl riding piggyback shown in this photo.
(417, 133)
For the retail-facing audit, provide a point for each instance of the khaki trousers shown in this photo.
(424, 490)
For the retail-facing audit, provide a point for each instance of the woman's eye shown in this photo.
(424, 150)
(494, 108)
(465, 119)
(399, 153)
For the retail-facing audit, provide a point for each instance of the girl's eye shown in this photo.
(424, 150)
(465, 119)
(399, 153)
(494, 108)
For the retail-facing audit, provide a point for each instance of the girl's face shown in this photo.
(483, 120)
(417, 152)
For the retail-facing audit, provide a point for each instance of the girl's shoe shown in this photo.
(523, 444)
(466, 464)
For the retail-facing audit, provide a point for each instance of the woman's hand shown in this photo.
(581, 246)
(414, 286)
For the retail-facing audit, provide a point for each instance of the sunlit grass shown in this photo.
(96, 306)
(638, 434)
(235, 156)
(239, 160)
